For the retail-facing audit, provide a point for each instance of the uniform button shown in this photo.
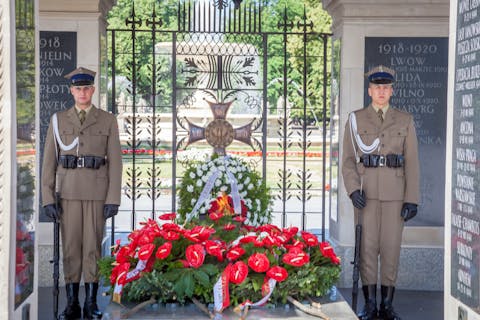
(81, 132)
(383, 135)
(383, 145)
(81, 144)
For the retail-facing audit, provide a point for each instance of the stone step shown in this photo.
(337, 309)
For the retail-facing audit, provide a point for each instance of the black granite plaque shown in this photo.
(421, 66)
(465, 210)
(58, 56)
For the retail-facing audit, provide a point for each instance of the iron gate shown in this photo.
(219, 54)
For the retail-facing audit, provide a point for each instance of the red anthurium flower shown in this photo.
(195, 255)
(310, 239)
(215, 248)
(277, 273)
(248, 239)
(169, 235)
(146, 251)
(215, 215)
(238, 272)
(296, 257)
(235, 253)
(168, 216)
(119, 269)
(164, 250)
(192, 236)
(171, 226)
(258, 262)
(201, 233)
(145, 238)
(124, 254)
(296, 244)
(258, 243)
(328, 252)
(270, 240)
(229, 227)
(240, 219)
(122, 273)
(291, 231)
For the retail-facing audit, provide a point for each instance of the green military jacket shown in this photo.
(397, 136)
(98, 136)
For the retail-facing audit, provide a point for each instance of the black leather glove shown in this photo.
(358, 199)
(110, 210)
(52, 212)
(409, 210)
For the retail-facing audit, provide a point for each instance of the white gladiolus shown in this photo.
(243, 194)
(204, 167)
(193, 201)
(192, 175)
(205, 178)
(250, 187)
(199, 183)
(240, 186)
(247, 180)
(190, 188)
(223, 188)
(218, 182)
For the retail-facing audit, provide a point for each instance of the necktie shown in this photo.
(81, 116)
(380, 114)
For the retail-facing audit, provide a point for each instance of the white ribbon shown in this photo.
(204, 194)
(361, 145)
(261, 302)
(207, 189)
(139, 268)
(57, 136)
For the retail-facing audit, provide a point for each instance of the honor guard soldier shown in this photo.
(380, 169)
(82, 162)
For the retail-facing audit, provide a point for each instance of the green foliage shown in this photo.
(273, 14)
(252, 190)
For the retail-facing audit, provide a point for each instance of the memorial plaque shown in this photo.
(421, 66)
(58, 56)
(465, 211)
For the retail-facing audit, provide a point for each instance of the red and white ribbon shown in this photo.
(221, 294)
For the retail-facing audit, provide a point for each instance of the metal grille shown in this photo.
(222, 54)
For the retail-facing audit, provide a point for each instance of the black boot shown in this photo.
(90, 308)
(369, 312)
(72, 311)
(386, 307)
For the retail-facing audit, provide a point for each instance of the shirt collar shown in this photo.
(86, 110)
(384, 109)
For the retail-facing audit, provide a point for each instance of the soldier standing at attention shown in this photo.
(380, 169)
(82, 161)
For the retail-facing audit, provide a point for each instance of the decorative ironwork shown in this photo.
(217, 58)
(219, 133)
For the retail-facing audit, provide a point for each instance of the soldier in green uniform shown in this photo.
(82, 161)
(380, 169)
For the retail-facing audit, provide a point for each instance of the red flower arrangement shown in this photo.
(246, 262)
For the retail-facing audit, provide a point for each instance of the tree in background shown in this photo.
(273, 14)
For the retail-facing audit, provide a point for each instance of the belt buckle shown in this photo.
(381, 161)
(80, 162)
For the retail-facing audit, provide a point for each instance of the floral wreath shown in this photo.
(204, 180)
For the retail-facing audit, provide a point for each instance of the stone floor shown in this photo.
(411, 305)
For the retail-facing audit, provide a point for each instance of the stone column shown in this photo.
(462, 214)
(7, 162)
(87, 18)
(421, 265)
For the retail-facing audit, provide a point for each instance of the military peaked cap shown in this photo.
(381, 75)
(81, 77)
